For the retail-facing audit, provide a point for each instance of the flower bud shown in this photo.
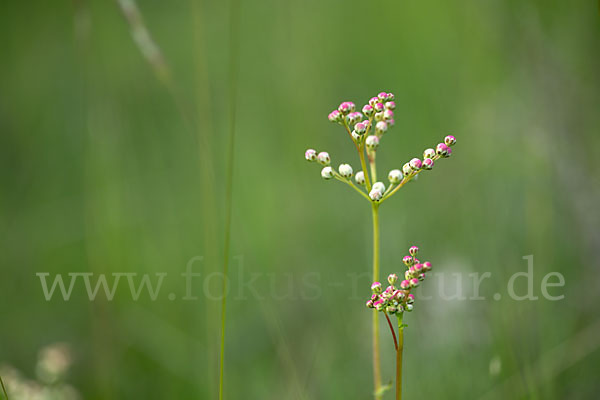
(355, 136)
(409, 307)
(421, 277)
(360, 128)
(375, 195)
(382, 96)
(442, 150)
(427, 163)
(390, 97)
(379, 107)
(345, 170)
(395, 176)
(373, 101)
(379, 305)
(407, 260)
(407, 169)
(392, 278)
(429, 153)
(449, 140)
(310, 155)
(408, 275)
(405, 284)
(379, 116)
(327, 173)
(323, 158)
(353, 118)
(414, 282)
(372, 142)
(335, 116)
(413, 250)
(449, 152)
(346, 107)
(426, 266)
(390, 105)
(418, 268)
(391, 122)
(400, 309)
(367, 110)
(410, 298)
(416, 164)
(391, 309)
(360, 178)
(376, 287)
(388, 114)
(381, 127)
(370, 303)
(379, 186)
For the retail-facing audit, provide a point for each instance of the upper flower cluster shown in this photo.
(366, 129)
(396, 300)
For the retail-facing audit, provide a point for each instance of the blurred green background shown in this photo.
(114, 160)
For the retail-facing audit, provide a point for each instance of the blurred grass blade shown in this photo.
(233, 61)
(3, 388)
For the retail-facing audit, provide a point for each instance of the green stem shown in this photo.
(373, 166)
(376, 362)
(399, 358)
(363, 164)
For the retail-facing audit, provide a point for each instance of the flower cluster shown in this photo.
(397, 299)
(366, 129)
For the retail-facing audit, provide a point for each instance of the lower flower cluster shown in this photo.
(396, 300)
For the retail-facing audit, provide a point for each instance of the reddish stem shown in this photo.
(392, 330)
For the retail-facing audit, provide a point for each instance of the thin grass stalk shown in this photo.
(233, 61)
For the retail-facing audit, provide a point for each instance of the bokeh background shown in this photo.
(115, 119)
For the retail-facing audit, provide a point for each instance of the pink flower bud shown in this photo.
(426, 266)
(378, 107)
(416, 164)
(407, 260)
(368, 110)
(360, 128)
(388, 114)
(373, 101)
(421, 277)
(382, 96)
(442, 150)
(449, 140)
(346, 107)
(391, 309)
(370, 303)
(410, 298)
(427, 163)
(335, 116)
(413, 250)
(390, 105)
(392, 278)
(414, 282)
(379, 305)
(405, 284)
(376, 287)
(418, 268)
(353, 118)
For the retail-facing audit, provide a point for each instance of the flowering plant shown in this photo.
(366, 130)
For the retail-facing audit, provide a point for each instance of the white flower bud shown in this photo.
(429, 153)
(323, 158)
(360, 178)
(381, 127)
(356, 136)
(406, 169)
(379, 186)
(375, 195)
(310, 155)
(395, 176)
(372, 142)
(345, 170)
(327, 173)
